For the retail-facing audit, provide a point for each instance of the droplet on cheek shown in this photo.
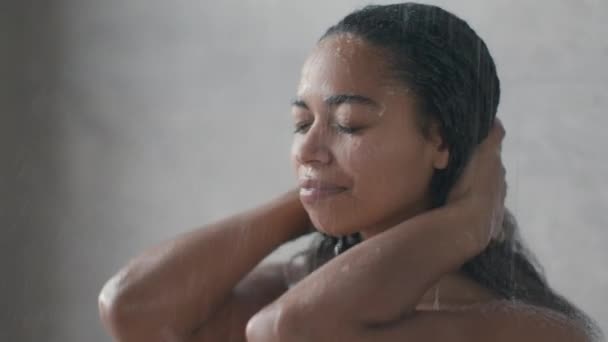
(382, 110)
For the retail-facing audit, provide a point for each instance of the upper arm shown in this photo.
(260, 287)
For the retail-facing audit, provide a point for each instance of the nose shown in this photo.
(312, 146)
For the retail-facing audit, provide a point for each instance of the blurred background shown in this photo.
(123, 123)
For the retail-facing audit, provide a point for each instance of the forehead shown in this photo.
(344, 63)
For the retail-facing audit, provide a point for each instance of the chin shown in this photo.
(331, 227)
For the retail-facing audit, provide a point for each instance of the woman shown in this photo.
(397, 155)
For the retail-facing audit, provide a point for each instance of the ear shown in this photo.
(441, 152)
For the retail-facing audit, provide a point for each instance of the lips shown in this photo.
(314, 190)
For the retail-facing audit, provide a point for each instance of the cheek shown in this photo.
(386, 171)
(365, 160)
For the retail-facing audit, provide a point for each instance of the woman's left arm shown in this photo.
(368, 294)
(374, 283)
(381, 280)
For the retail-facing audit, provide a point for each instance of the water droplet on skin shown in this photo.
(436, 302)
(169, 335)
(381, 112)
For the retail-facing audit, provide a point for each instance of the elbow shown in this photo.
(109, 307)
(263, 327)
(273, 324)
(279, 323)
(124, 319)
(114, 312)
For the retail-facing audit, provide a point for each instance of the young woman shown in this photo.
(397, 156)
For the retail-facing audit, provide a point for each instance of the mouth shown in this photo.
(314, 195)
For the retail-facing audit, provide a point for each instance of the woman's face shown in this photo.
(361, 161)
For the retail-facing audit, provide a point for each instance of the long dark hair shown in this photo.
(453, 76)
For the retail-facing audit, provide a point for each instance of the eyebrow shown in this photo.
(336, 100)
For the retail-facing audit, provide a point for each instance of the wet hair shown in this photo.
(453, 77)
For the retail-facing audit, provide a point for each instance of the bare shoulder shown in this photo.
(497, 321)
(505, 320)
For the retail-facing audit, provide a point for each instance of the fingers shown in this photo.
(498, 233)
(485, 166)
(493, 142)
(498, 133)
(498, 129)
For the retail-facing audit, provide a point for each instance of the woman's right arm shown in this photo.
(171, 291)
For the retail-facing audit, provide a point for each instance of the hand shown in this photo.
(481, 190)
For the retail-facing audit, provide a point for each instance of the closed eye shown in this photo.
(347, 130)
(301, 127)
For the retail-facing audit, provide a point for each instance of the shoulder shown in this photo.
(497, 321)
(505, 320)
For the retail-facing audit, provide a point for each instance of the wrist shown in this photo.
(464, 215)
(301, 221)
(293, 218)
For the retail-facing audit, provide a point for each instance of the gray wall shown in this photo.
(126, 122)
